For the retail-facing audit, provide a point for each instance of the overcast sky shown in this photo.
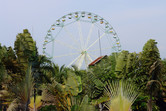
(135, 21)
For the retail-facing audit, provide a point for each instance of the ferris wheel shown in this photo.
(79, 38)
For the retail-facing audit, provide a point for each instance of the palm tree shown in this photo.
(151, 67)
(78, 104)
(22, 92)
(60, 94)
(122, 95)
(25, 48)
(7, 72)
(154, 84)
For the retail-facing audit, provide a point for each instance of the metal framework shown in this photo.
(68, 35)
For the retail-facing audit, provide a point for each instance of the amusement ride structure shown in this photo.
(79, 38)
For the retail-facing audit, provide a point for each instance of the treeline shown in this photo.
(26, 77)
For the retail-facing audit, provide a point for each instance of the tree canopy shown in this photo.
(26, 78)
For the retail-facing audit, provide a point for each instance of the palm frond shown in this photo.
(122, 95)
(13, 106)
(23, 92)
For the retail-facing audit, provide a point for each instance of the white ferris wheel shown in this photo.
(79, 38)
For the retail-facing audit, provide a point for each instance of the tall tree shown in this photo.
(151, 67)
(25, 48)
(22, 93)
(26, 51)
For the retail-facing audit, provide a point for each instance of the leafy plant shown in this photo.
(122, 95)
(22, 92)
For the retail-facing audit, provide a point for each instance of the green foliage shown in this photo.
(22, 93)
(121, 62)
(140, 103)
(104, 70)
(150, 54)
(92, 85)
(2, 67)
(149, 72)
(48, 108)
(12, 66)
(163, 71)
(82, 105)
(60, 73)
(42, 70)
(74, 83)
(151, 64)
(112, 59)
(61, 94)
(25, 48)
(71, 89)
(122, 95)
(131, 59)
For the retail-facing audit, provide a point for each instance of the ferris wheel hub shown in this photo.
(83, 52)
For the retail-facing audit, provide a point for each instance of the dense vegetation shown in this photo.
(26, 77)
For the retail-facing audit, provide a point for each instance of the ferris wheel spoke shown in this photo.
(70, 23)
(66, 55)
(57, 33)
(48, 55)
(76, 63)
(94, 56)
(80, 34)
(67, 45)
(99, 49)
(86, 61)
(89, 34)
(96, 41)
(80, 61)
(71, 36)
(102, 29)
(90, 59)
(74, 60)
(53, 43)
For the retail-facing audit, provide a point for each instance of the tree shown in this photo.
(97, 76)
(10, 71)
(12, 66)
(25, 48)
(60, 94)
(105, 69)
(82, 105)
(131, 59)
(2, 67)
(3, 76)
(162, 93)
(22, 93)
(121, 64)
(151, 70)
(122, 95)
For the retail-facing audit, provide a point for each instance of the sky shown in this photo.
(135, 21)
